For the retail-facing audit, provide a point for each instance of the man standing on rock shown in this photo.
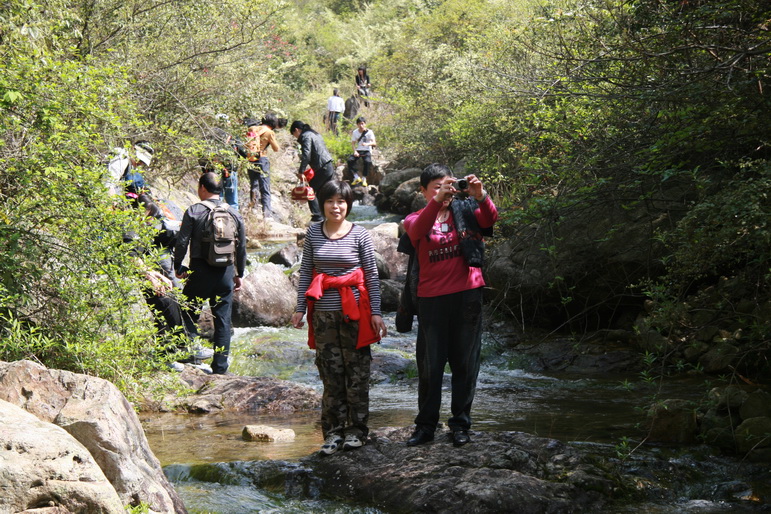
(207, 282)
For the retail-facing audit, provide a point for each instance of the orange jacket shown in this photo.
(351, 311)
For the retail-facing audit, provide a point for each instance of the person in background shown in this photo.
(447, 237)
(229, 175)
(313, 154)
(259, 137)
(340, 290)
(205, 282)
(362, 142)
(161, 285)
(335, 108)
(363, 85)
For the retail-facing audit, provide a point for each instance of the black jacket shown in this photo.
(191, 233)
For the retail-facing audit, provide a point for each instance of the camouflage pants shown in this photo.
(344, 372)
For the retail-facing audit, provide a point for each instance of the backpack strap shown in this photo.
(362, 136)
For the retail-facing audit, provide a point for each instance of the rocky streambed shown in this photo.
(542, 442)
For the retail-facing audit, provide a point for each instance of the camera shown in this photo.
(461, 184)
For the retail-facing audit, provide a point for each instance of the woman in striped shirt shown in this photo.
(340, 290)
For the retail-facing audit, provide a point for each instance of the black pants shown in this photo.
(215, 286)
(320, 177)
(450, 331)
(167, 315)
(366, 159)
(259, 186)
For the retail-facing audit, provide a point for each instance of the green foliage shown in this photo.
(726, 229)
(339, 146)
(68, 286)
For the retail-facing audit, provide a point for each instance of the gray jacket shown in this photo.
(314, 151)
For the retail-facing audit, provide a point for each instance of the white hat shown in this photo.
(144, 152)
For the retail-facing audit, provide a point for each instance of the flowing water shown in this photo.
(599, 411)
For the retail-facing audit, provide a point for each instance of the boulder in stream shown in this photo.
(95, 413)
(267, 297)
(496, 472)
(44, 467)
(214, 393)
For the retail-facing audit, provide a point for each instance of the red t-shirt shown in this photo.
(443, 270)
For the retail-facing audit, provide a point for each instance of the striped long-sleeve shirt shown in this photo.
(337, 257)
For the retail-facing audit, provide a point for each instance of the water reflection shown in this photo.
(565, 407)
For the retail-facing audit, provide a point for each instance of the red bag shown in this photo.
(309, 174)
(303, 192)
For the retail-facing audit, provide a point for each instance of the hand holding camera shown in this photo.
(470, 184)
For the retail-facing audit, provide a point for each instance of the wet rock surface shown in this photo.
(496, 472)
(213, 393)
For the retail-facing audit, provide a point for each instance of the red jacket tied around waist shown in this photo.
(361, 312)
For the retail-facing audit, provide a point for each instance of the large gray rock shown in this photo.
(757, 405)
(497, 472)
(385, 245)
(267, 297)
(672, 421)
(95, 413)
(753, 433)
(42, 466)
(215, 393)
(394, 179)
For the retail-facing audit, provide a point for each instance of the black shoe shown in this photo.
(420, 436)
(460, 437)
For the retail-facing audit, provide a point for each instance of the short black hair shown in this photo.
(336, 187)
(434, 171)
(270, 120)
(361, 119)
(209, 182)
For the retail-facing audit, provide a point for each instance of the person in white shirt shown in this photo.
(335, 107)
(362, 141)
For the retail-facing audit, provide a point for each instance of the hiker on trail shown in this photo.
(314, 154)
(254, 149)
(340, 290)
(363, 85)
(228, 173)
(125, 170)
(161, 285)
(362, 141)
(447, 235)
(215, 235)
(335, 108)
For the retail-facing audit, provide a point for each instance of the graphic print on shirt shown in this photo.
(442, 234)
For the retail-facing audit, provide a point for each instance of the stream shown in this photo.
(602, 412)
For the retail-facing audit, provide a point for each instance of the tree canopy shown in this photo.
(554, 103)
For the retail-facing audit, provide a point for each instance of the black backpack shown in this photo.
(220, 232)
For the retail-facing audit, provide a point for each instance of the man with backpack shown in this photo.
(215, 235)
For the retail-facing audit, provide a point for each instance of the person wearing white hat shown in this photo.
(143, 152)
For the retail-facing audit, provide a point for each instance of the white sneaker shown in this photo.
(331, 445)
(352, 442)
(202, 353)
(176, 366)
(203, 367)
